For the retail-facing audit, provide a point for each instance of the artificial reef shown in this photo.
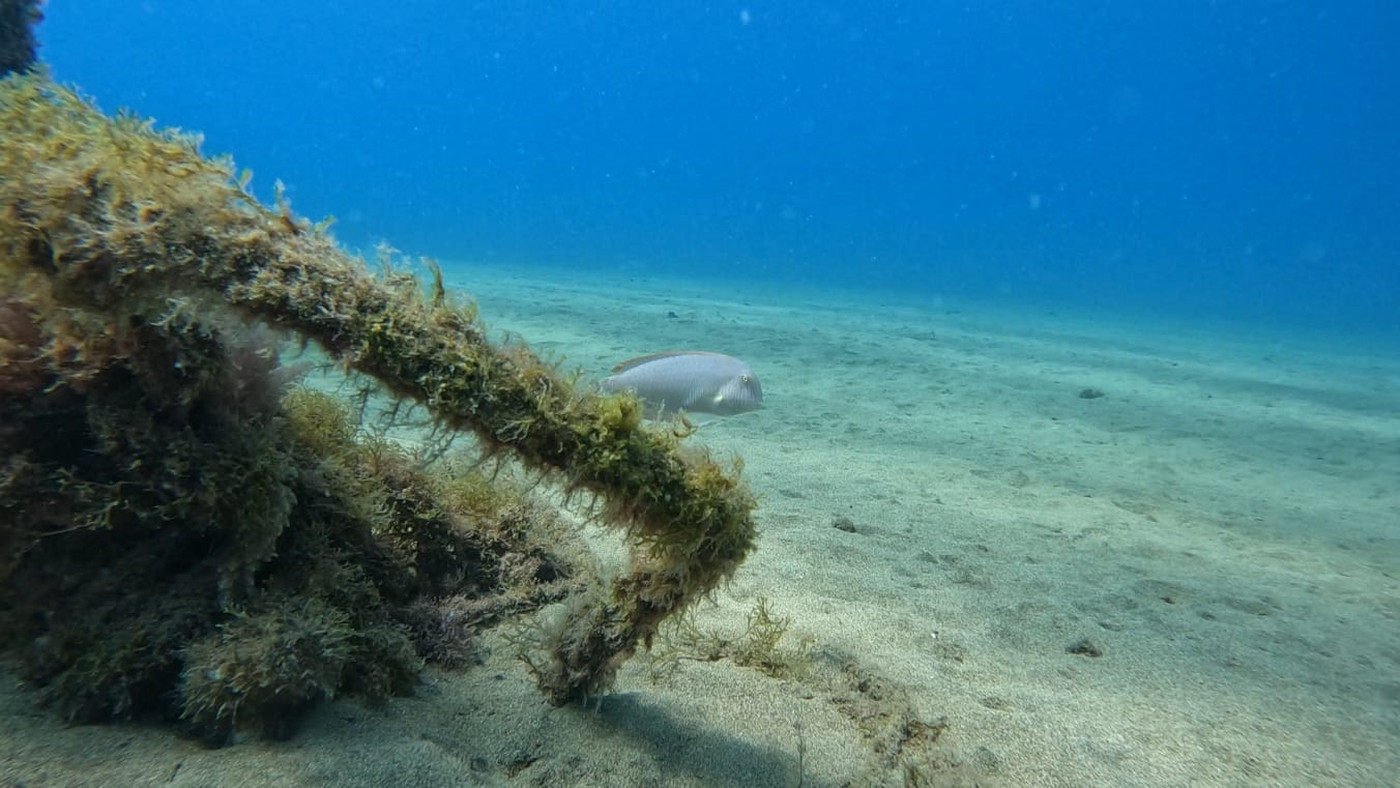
(188, 533)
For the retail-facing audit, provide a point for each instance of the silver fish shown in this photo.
(695, 381)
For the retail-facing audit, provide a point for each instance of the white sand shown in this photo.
(1223, 525)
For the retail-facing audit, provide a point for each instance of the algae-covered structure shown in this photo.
(186, 534)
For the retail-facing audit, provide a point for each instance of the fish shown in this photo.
(694, 381)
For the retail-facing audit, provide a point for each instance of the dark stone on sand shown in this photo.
(1084, 647)
(843, 523)
(1090, 393)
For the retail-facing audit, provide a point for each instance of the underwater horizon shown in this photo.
(1189, 161)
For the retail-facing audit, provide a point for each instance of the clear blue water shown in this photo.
(1201, 159)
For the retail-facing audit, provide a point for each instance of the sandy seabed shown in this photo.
(1192, 580)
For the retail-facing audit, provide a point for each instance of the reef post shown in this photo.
(17, 46)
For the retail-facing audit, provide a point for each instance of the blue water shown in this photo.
(1202, 159)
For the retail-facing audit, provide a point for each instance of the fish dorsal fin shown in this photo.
(640, 360)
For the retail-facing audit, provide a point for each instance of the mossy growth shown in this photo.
(186, 539)
(159, 491)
